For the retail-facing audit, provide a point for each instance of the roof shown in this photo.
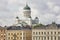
(2, 28)
(18, 28)
(49, 26)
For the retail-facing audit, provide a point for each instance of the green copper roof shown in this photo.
(26, 7)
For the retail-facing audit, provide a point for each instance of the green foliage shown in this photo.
(38, 25)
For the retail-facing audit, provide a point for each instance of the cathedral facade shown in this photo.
(27, 17)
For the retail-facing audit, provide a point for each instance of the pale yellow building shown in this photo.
(2, 33)
(48, 32)
(19, 33)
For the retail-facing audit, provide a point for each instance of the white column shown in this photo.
(22, 35)
(43, 38)
(25, 36)
(50, 38)
(40, 38)
(35, 37)
(53, 38)
(46, 38)
(56, 37)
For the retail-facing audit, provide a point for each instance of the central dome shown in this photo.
(26, 7)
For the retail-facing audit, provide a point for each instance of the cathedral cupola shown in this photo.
(26, 7)
(27, 11)
(17, 20)
(36, 20)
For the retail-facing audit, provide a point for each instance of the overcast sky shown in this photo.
(46, 10)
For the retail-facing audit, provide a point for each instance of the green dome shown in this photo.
(26, 7)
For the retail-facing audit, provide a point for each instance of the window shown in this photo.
(4, 39)
(8, 33)
(58, 37)
(33, 33)
(44, 32)
(55, 38)
(8, 37)
(1, 30)
(39, 38)
(47, 32)
(1, 36)
(55, 32)
(36, 33)
(58, 32)
(48, 38)
(20, 37)
(20, 33)
(51, 38)
(39, 33)
(4, 35)
(17, 33)
(24, 38)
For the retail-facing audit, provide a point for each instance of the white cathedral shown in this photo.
(27, 17)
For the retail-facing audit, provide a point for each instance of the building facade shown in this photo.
(48, 32)
(2, 33)
(18, 33)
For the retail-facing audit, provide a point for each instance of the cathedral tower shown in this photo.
(27, 11)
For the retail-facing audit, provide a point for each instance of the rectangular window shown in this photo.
(33, 33)
(39, 33)
(58, 37)
(36, 33)
(44, 32)
(11, 33)
(8, 33)
(58, 32)
(55, 38)
(1, 30)
(20, 37)
(17, 33)
(20, 33)
(47, 32)
(8, 37)
(48, 38)
(55, 32)
(24, 38)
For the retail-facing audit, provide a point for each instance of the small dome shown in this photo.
(26, 7)
(17, 17)
(53, 23)
(36, 17)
